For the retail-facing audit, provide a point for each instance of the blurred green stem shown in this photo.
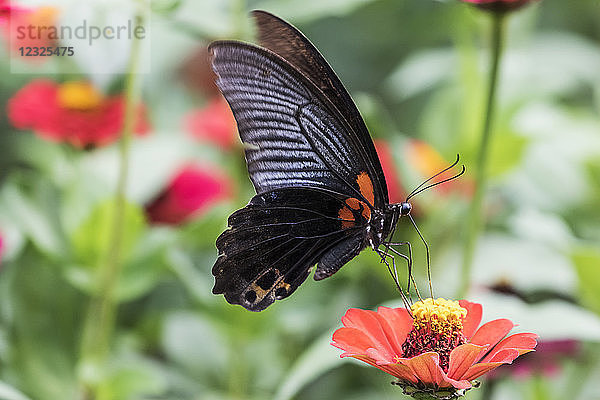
(100, 317)
(240, 18)
(475, 213)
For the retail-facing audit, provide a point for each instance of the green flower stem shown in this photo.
(475, 213)
(100, 318)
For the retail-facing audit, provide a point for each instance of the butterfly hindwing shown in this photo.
(272, 243)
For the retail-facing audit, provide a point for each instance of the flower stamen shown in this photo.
(77, 95)
(437, 327)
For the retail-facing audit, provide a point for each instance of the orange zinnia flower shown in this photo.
(439, 347)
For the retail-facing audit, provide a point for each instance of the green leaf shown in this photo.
(319, 358)
(191, 340)
(139, 274)
(202, 232)
(196, 281)
(141, 251)
(587, 260)
(34, 212)
(131, 377)
(146, 267)
(164, 6)
(92, 239)
(506, 152)
(43, 328)
(8, 392)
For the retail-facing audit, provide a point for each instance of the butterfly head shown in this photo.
(405, 208)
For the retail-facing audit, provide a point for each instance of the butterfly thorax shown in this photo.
(383, 223)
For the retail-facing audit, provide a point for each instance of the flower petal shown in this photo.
(462, 358)
(400, 371)
(426, 367)
(473, 318)
(492, 332)
(368, 323)
(504, 357)
(523, 342)
(379, 356)
(352, 341)
(396, 323)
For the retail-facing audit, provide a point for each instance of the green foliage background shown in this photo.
(417, 69)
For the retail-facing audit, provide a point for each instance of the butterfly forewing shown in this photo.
(288, 42)
(293, 136)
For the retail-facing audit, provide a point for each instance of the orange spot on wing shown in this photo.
(365, 185)
(347, 217)
(366, 213)
(353, 203)
(346, 213)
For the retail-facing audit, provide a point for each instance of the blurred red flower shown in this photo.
(1, 247)
(192, 192)
(499, 5)
(428, 162)
(73, 112)
(213, 123)
(440, 346)
(18, 32)
(395, 190)
(7, 10)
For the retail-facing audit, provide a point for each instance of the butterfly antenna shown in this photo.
(439, 183)
(416, 190)
(427, 253)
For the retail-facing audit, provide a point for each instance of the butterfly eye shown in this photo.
(405, 208)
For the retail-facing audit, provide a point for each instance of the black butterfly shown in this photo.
(321, 193)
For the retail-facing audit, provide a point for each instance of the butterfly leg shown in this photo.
(409, 261)
(394, 274)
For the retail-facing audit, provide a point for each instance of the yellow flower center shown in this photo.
(82, 96)
(440, 315)
(437, 327)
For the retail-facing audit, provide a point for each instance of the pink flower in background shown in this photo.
(438, 345)
(546, 360)
(10, 10)
(499, 5)
(395, 190)
(18, 31)
(6, 9)
(213, 123)
(190, 194)
(74, 112)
